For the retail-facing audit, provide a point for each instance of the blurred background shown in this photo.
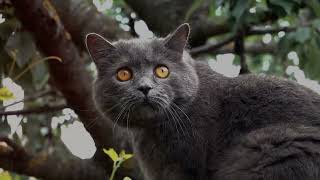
(46, 108)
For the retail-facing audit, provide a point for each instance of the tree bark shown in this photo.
(47, 166)
(70, 76)
(163, 16)
(80, 18)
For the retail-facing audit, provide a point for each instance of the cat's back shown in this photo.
(269, 125)
(258, 100)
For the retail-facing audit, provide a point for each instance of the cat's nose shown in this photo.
(144, 89)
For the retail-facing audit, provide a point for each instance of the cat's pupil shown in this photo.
(162, 71)
(124, 74)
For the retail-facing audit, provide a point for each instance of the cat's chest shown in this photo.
(186, 151)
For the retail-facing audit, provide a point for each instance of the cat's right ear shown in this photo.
(98, 47)
(178, 40)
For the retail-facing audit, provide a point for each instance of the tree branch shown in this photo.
(70, 76)
(38, 110)
(30, 98)
(211, 47)
(202, 27)
(214, 48)
(262, 31)
(174, 13)
(253, 49)
(239, 49)
(15, 158)
(80, 18)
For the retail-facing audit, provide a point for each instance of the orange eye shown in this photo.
(124, 74)
(162, 71)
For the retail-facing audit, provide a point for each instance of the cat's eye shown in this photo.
(162, 71)
(124, 74)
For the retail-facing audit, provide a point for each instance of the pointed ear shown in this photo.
(98, 47)
(178, 40)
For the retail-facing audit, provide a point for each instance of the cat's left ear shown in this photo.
(178, 40)
(98, 47)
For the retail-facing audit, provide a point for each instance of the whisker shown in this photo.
(128, 115)
(192, 128)
(179, 119)
(175, 107)
(121, 112)
(162, 104)
(182, 112)
(175, 122)
(99, 117)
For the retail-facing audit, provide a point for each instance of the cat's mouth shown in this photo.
(147, 107)
(146, 102)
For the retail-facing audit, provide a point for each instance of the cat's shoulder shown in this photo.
(206, 73)
(260, 83)
(268, 88)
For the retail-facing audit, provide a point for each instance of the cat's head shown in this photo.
(140, 79)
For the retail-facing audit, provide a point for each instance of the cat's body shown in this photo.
(206, 126)
(239, 109)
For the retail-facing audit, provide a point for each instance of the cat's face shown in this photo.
(141, 79)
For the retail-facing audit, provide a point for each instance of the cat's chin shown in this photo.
(145, 112)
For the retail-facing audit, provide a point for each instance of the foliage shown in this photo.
(302, 15)
(5, 176)
(5, 94)
(117, 159)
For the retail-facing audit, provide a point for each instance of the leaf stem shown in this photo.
(35, 63)
(116, 165)
(12, 66)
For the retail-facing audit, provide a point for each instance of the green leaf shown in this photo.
(125, 156)
(240, 8)
(310, 63)
(6, 94)
(316, 23)
(219, 2)
(20, 46)
(195, 5)
(239, 11)
(315, 6)
(303, 34)
(287, 5)
(39, 73)
(5, 176)
(127, 178)
(9, 25)
(112, 154)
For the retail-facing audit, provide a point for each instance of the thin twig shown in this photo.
(38, 110)
(256, 31)
(211, 47)
(239, 49)
(31, 98)
(253, 49)
(35, 63)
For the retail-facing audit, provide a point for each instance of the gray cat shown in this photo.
(191, 123)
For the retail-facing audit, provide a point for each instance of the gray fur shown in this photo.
(201, 125)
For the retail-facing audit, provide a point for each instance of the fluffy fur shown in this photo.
(199, 125)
